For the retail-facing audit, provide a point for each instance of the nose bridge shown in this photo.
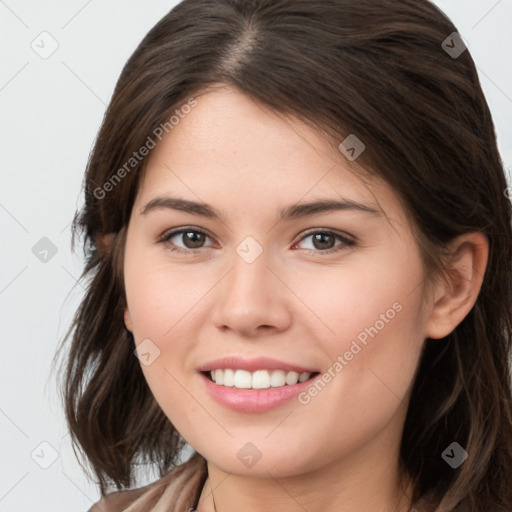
(249, 278)
(250, 295)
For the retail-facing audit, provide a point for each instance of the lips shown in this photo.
(254, 400)
(254, 385)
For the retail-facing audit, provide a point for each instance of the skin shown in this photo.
(292, 303)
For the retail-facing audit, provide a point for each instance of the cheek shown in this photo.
(373, 337)
(361, 299)
(158, 296)
(366, 389)
(162, 301)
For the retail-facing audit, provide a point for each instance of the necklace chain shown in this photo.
(213, 497)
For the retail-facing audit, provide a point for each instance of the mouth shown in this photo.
(255, 392)
(256, 380)
(254, 385)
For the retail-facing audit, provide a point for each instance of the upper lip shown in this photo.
(252, 365)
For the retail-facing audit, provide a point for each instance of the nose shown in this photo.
(252, 300)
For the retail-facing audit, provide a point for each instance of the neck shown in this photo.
(357, 482)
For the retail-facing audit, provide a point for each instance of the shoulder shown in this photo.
(119, 501)
(177, 490)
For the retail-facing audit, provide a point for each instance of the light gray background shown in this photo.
(51, 110)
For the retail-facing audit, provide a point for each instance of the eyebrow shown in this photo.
(291, 212)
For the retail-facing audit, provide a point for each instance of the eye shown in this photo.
(191, 237)
(324, 241)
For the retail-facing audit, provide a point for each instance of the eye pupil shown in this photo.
(320, 237)
(195, 238)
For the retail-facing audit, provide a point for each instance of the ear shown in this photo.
(128, 320)
(456, 295)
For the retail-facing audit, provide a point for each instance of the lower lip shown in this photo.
(254, 400)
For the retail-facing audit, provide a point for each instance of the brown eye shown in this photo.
(324, 242)
(193, 239)
(190, 238)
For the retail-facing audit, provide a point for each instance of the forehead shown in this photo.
(231, 149)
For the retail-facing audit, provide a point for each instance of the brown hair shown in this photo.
(375, 68)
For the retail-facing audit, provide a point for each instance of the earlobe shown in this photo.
(457, 294)
(128, 320)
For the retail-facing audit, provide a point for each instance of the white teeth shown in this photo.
(229, 378)
(292, 378)
(260, 379)
(278, 378)
(242, 379)
(304, 376)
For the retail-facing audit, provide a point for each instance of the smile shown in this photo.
(260, 379)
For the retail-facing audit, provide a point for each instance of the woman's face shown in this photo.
(271, 294)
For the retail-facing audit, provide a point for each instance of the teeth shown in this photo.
(242, 379)
(261, 379)
(292, 378)
(229, 377)
(304, 376)
(278, 378)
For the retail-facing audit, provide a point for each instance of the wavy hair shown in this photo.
(376, 68)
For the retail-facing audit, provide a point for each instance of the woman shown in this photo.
(300, 264)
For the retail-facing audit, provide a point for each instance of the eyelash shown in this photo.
(337, 248)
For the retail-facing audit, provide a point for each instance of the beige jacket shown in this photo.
(178, 490)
